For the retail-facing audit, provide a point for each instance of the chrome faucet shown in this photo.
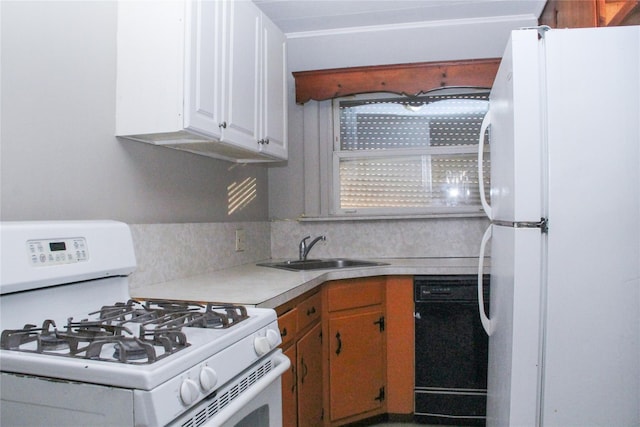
(304, 249)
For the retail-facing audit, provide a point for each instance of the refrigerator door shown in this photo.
(513, 373)
(516, 253)
(592, 328)
(515, 111)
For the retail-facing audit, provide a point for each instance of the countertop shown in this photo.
(253, 285)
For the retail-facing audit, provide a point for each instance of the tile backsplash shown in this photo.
(419, 238)
(172, 251)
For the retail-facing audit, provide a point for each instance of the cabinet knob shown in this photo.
(223, 125)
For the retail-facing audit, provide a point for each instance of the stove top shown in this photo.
(133, 332)
(139, 355)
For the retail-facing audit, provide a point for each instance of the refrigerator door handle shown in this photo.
(483, 129)
(486, 322)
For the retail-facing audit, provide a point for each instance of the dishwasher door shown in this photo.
(451, 353)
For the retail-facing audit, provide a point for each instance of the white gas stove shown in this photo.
(76, 350)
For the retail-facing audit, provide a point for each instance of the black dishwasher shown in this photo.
(451, 350)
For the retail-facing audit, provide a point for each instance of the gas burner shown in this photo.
(86, 330)
(13, 339)
(51, 342)
(131, 311)
(232, 314)
(194, 314)
(130, 349)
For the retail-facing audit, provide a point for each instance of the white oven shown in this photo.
(75, 350)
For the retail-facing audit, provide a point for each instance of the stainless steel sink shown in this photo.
(320, 264)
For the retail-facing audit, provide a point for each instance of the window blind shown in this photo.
(410, 153)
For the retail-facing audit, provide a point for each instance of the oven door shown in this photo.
(245, 401)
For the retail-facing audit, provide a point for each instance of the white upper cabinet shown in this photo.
(274, 91)
(202, 76)
(204, 68)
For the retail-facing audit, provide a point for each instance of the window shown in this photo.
(399, 155)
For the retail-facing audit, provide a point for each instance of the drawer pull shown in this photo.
(283, 333)
(311, 311)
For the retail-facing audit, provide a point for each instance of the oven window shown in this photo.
(259, 417)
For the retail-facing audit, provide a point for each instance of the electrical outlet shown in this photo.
(240, 238)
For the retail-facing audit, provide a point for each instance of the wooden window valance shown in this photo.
(409, 79)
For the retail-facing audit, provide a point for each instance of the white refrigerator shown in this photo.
(564, 329)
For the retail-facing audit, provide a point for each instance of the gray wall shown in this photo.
(59, 157)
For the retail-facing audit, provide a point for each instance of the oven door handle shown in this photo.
(282, 364)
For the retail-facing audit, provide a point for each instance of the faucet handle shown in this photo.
(302, 248)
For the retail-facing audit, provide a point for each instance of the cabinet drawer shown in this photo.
(354, 293)
(309, 311)
(288, 325)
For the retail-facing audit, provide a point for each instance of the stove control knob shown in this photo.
(189, 391)
(208, 378)
(273, 337)
(261, 345)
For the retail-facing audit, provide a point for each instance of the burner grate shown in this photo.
(131, 332)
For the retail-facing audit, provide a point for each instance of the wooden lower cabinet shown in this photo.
(309, 362)
(355, 349)
(351, 349)
(356, 364)
(289, 391)
(301, 332)
(399, 328)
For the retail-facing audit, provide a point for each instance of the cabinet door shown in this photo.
(203, 67)
(274, 91)
(290, 391)
(242, 75)
(309, 311)
(356, 363)
(310, 378)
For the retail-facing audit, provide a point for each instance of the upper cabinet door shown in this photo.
(192, 75)
(242, 75)
(274, 91)
(203, 67)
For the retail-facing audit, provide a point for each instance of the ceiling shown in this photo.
(295, 16)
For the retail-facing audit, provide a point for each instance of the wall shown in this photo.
(59, 156)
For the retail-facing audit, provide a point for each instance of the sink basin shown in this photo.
(320, 264)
